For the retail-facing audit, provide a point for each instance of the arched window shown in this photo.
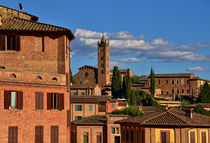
(54, 79)
(38, 78)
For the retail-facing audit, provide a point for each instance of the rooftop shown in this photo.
(89, 99)
(172, 117)
(23, 26)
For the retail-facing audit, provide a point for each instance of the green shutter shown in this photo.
(76, 118)
(90, 107)
(81, 107)
(75, 107)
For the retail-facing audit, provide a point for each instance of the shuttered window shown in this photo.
(13, 100)
(55, 101)
(13, 135)
(39, 100)
(39, 134)
(203, 137)
(2, 42)
(54, 134)
(165, 137)
(192, 137)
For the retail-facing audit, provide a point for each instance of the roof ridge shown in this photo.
(161, 112)
(174, 114)
(35, 22)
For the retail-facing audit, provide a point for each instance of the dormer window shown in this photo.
(54, 79)
(9, 42)
(38, 78)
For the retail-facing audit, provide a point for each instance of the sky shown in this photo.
(168, 36)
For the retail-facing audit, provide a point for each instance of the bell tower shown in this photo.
(103, 62)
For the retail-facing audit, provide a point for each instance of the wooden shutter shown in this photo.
(49, 96)
(61, 100)
(39, 134)
(2, 42)
(7, 99)
(18, 43)
(203, 137)
(192, 137)
(54, 134)
(13, 135)
(168, 137)
(163, 137)
(39, 100)
(20, 100)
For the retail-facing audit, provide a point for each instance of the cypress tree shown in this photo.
(152, 82)
(127, 85)
(71, 78)
(204, 94)
(116, 83)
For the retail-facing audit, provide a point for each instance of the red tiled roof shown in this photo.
(173, 117)
(89, 99)
(83, 86)
(91, 120)
(186, 75)
(15, 24)
(122, 103)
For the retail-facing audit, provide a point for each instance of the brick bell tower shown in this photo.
(103, 62)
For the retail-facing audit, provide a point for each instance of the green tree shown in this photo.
(204, 93)
(152, 82)
(71, 78)
(135, 79)
(116, 83)
(200, 110)
(127, 86)
(131, 110)
(132, 98)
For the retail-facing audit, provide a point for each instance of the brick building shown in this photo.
(176, 85)
(85, 90)
(97, 129)
(34, 79)
(84, 106)
(169, 126)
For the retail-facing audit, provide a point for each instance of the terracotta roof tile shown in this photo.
(89, 99)
(173, 117)
(91, 120)
(22, 25)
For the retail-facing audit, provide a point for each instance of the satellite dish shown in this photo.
(20, 6)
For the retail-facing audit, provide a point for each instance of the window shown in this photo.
(75, 93)
(172, 81)
(55, 101)
(83, 94)
(12, 76)
(113, 130)
(192, 137)
(102, 58)
(78, 117)
(9, 43)
(86, 74)
(165, 137)
(117, 130)
(132, 136)
(102, 65)
(39, 100)
(90, 107)
(13, 100)
(54, 134)
(177, 81)
(182, 90)
(54, 79)
(13, 135)
(127, 135)
(43, 44)
(39, 134)
(78, 107)
(203, 137)
(102, 71)
(167, 92)
(112, 105)
(98, 137)
(158, 81)
(85, 136)
(173, 91)
(166, 81)
(38, 78)
(177, 90)
(188, 91)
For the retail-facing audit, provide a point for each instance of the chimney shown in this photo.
(189, 113)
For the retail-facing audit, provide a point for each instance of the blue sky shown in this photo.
(170, 36)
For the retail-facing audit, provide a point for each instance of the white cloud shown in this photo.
(124, 43)
(128, 60)
(197, 69)
(116, 63)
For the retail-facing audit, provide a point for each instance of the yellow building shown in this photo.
(167, 126)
